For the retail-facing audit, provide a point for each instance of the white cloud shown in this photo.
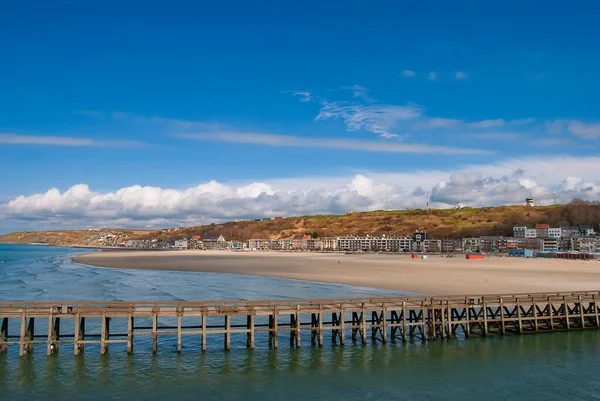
(380, 119)
(432, 76)
(505, 136)
(326, 143)
(409, 73)
(508, 182)
(358, 92)
(17, 139)
(303, 95)
(556, 127)
(584, 130)
(460, 75)
(499, 122)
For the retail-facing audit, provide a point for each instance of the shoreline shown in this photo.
(432, 276)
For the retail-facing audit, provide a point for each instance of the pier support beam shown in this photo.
(4, 335)
(130, 323)
(103, 335)
(22, 337)
(204, 331)
(154, 332)
(77, 335)
(250, 328)
(227, 336)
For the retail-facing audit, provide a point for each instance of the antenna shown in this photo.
(427, 204)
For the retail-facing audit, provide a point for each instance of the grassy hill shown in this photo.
(452, 223)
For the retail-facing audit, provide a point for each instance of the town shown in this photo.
(542, 238)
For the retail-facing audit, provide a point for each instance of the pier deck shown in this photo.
(359, 320)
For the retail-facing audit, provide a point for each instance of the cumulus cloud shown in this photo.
(409, 73)
(508, 182)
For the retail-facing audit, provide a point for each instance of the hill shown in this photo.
(447, 223)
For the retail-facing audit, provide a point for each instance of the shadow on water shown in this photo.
(548, 365)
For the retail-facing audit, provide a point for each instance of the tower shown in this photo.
(529, 201)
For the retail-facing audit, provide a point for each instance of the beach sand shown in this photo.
(435, 275)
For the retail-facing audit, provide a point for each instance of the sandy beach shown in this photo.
(435, 275)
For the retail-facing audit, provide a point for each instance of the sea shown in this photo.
(552, 366)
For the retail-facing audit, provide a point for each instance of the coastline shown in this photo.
(434, 276)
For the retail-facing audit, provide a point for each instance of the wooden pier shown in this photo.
(357, 320)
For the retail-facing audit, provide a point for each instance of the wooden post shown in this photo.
(566, 306)
(363, 326)
(485, 320)
(4, 335)
(76, 334)
(535, 314)
(383, 327)
(341, 324)
(320, 327)
(179, 332)
(130, 325)
(468, 317)
(298, 338)
(443, 318)
(596, 311)
(103, 344)
(250, 325)
(227, 339)
(22, 339)
(31, 333)
(50, 345)
(204, 331)
(519, 325)
(582, 317)
(82, 336)
(404, 328)
(275, 329)
(154, 332)
(503, 327)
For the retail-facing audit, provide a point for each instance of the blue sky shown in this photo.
(291, 108)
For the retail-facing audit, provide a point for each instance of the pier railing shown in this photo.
(349, 319)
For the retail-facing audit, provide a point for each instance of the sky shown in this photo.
(148, 114)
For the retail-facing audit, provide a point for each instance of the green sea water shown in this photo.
(557, 366)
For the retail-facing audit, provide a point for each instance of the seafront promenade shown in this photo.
(342, 321)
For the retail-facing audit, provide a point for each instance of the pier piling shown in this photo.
(390, 319)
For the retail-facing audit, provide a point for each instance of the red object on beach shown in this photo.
(470, 256)
(415, 256)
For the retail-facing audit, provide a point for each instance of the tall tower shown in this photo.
(529, 201)
(427, 203)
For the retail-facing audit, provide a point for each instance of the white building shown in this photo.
(531, 233)
(554, 232)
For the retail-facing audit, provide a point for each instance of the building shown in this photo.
(432, 245)
(550, 245)
(214, 241)
(531, 233)
(542, 230)
(181, 244)
(448, 245)
(529, 202)
(329, 243)
(196, 242)
(257, 244)
(418, 240)
(471, 245)
(554, 233)
(519, 231)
